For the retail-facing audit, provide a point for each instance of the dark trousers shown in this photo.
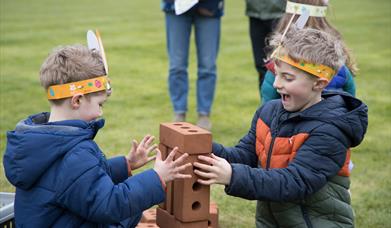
(259, 30)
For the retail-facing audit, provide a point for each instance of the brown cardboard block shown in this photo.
(149, 216)
(213, 221)
(169, 197)
(197, 224)
(167, 204)
(147, 225)
(190, 199)
(164, 219)
(188, 138)
(163, 148)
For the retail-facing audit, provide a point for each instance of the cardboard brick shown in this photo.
(164, 150)
(188, 138)
(164, 219)
(213, 221)
(147, 225)
(169, 197)
(191, 199)
(197, 224)
(149, 216)
(167, 204)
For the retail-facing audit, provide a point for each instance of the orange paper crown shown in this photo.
(92, 85)
(317, 70)
(80, 87)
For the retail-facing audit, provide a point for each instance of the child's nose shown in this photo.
(277, 83)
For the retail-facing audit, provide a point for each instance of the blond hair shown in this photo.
(322, 24)
(311, 45)
(71, 63)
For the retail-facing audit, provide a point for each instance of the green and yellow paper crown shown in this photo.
(92, 85)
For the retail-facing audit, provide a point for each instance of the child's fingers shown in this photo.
(205, 174)
(205, 182)
(182, 167)
(203, 166)
(182, 176)
(150, 140)
(151, 158)
(144, 140)
(216, 157)
(134, 144)
(181, 159)
(158, 154)
(207, 159)
(171, 155)
(151, 148)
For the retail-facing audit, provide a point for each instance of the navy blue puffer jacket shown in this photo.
(63, 179)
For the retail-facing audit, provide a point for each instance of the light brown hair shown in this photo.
(311, 45)
(71, 63)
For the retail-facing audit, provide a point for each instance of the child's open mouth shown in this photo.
(285, 97)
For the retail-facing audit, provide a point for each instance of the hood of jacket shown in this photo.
(340, 109)
(36, 144)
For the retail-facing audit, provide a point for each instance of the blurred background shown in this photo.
(133, 34)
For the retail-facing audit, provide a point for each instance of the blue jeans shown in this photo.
(207, 38)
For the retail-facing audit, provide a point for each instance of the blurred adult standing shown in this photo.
(263, 16)
(205, 17)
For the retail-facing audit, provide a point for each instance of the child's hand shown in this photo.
(218, 172)
(170, 170)
(138, 154)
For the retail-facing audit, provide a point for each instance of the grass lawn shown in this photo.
(134, 37)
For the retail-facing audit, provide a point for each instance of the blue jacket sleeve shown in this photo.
(268, 92)
(320, 157)
(84, 188)
(244, 151)
(118, 169)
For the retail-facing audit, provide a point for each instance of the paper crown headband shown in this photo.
(298, 8)
(96, 84)
(317, 70)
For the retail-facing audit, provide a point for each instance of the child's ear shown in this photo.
(320, 84)
(76, 100)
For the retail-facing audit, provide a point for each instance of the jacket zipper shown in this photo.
(274, 134)
(304, 211)
(305, 216)
(269, 154)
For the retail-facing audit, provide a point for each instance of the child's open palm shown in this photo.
(139, 153)
(216, 171)
(169, 169)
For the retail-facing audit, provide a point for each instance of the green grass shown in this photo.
(134, 37)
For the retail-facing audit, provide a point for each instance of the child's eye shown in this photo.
(288, 78)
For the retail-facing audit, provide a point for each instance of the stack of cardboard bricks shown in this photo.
(187, 202)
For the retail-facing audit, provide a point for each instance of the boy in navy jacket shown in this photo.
(62, 177)
(295, 158)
